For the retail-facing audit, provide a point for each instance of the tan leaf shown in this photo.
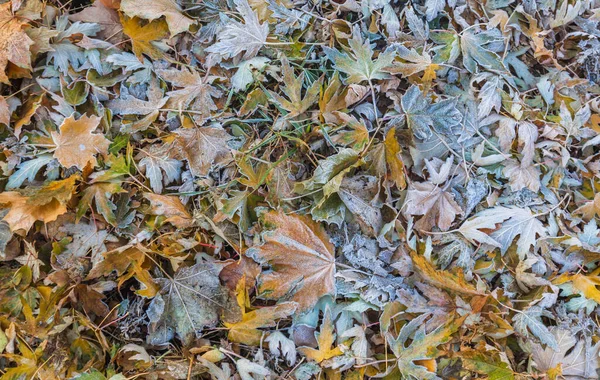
(203, 148)
(196, 92)
(438, 207)
(170, 207)
(325, 339)
(590, 209)
(76, 144)
(14, 42)
(106, 17)
(4, 111)
(442, 279)
(301, 257)
(152, 10)
(246, 331)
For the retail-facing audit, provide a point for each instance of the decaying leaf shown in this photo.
(186, 303)
(301, 259)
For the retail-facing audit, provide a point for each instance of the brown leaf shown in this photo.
(393, 159)
(4, 111)
(170, 207)
(301, 257)
(91, 300)
(203, 148)
(196, 92)
(438, 207)
(107, 18)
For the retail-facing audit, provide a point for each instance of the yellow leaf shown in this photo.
(246, 331)
(325, 340)
(142, 37)
(443, 279)
(76, 144)
(586, 285)
(44, 204)
(394, 161)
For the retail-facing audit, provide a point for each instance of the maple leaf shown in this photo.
(236, 38)
(515, 221)
(14, 42)
(301, 259)
(444, 279)
(325, 339)
(415, 63)
(76, 144)
(170, 207)
(188, 302)
(254, 177)
(296, 105)
(155, 9)
(333, 98)
(100, 193)
(358, 135)
(30, 258)
(44, 204)
(359, 64)
(486, 363)
(196, 93)
(479, 49)
(573, 358)
(107, 18)
(130, 105)
(203, 148)
(144, 37)
(582, 285)
(156, 161)
(422, 116)
(437, 206)
(246, 331)
(417, 359)
(590, 208)
(530, 320)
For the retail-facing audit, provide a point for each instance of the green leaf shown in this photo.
(358, 63)
(421, 116)
(478, 49)
(486, 363)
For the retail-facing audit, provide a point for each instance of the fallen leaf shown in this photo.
(14, 42)
(438, 207)
(325, 339)
(143, 37)
(76, 142)
(188, 302)
(301, 259)
(204, 148)
(176, 20)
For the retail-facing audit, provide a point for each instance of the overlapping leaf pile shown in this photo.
(296, 189)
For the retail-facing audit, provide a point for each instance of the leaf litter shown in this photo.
(251, 189)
